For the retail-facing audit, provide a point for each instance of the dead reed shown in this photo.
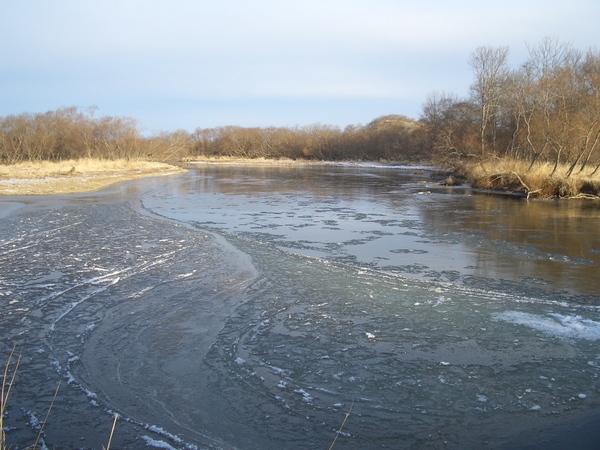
(541, 181)
(337, 433)
(8, 380)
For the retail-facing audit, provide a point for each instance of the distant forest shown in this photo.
(546, 110)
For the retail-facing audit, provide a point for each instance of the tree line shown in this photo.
(545, 110)
(71, 133)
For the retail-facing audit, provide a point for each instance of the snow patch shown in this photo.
(157, 444)
(277, 370)
(305, 395)
(185, 275)
(557, 325)
(163, 432)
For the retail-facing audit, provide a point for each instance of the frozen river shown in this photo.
(255, 307)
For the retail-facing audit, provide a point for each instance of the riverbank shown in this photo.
(441, 268)
(73, 176)
(86, 175)
(542, 181)
(500, 175)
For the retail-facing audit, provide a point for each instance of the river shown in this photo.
(274, 306)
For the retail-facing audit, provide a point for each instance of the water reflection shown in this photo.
(429, 309)
(394, 220)
(548, 243)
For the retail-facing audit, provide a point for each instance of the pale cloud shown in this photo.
(208, 63)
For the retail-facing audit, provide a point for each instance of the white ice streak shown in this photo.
(440, 300)
(141, 293)
(34, 422)
(92, 281)
(306, 397)
(377, 165)
(557, 325)
(83, 299)
(278, 371)
(70, 378)
(36, 425)
(157, 444)
(326, 391)
(185, 275)
(123, 273)
(162, 432)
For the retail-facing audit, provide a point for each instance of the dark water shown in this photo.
(253, 307)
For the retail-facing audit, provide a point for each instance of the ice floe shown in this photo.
(557, 325)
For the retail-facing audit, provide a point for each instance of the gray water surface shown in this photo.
(254, 307)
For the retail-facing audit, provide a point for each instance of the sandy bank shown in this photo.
(67, 177)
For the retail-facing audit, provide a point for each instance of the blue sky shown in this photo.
(187, 64)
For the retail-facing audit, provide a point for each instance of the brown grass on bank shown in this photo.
(40, 169)
(513, 176)
(82, 175)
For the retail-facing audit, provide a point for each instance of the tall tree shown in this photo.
(588, 110)
(550, 72)
(491, 73)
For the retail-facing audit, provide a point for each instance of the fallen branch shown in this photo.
(523, 184)
(585, 196)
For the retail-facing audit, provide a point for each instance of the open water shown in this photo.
(272, 307)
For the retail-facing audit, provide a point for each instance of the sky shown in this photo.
(187, 64)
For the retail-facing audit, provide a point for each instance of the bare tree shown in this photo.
(452, 125)
(549, 72)
(491, 73)
(588, 109)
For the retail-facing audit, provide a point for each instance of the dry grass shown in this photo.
(73, 167)
(337, 434)
(84, 175)
(8, 381)
(513, 176)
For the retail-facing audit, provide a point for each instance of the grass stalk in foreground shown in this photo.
(337, 433)
(41, 430)
(112, 432)
(8, 380)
